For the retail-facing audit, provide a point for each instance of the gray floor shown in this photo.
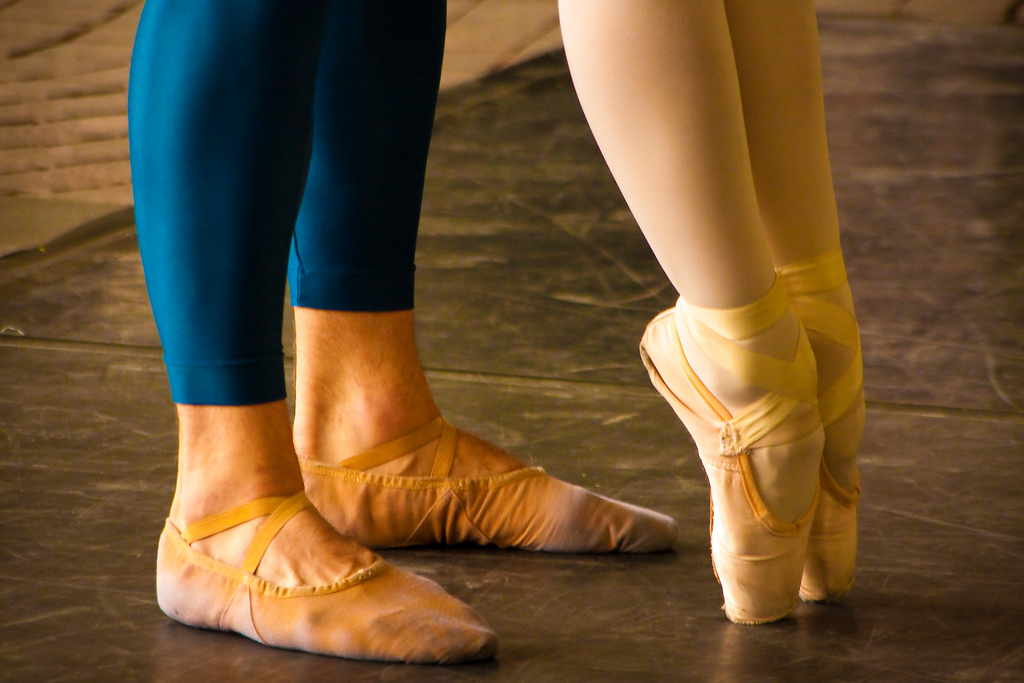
(534, 287)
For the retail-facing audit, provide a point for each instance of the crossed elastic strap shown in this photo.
(278, 510)
(805, 282)
(789, 382)
(417, 438)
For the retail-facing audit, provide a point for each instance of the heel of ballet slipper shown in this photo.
(832, 545)
(758, 559)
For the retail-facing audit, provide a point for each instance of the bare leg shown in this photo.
(229, 455)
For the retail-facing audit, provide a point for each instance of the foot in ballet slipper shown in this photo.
(301, 586)
(522, 507)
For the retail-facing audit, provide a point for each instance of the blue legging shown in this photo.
(259, 127)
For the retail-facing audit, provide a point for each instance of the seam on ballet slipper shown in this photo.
(265, 587)
(399, 482)
(252, 617)
(464, 507)
(227, 608)
(444, 499)
(255, 628)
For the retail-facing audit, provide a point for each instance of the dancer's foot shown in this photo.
(266, 565)
(354, 411)
(821, 297)
(370, 498)
(743, 382)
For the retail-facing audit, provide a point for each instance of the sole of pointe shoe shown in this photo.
(736, 616)
(825, 599)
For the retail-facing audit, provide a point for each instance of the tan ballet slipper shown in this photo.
(304, 587)
(525, 508)
(757, 558)
(819, 294)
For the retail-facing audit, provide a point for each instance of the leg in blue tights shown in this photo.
(355, 239)
(220, 115)
(359, 381)
(220, 111)
(219, 158)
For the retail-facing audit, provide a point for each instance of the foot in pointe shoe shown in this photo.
(404, 493)
(273, 570)
(820, 295)
(761, 454)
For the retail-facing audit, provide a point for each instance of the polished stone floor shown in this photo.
(534, 287)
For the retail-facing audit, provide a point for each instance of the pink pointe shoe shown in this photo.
(820, 295)
(757, 558)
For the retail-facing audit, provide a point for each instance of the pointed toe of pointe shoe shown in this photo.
(757, 558)
(832, 546)
(525, 508)
(347, 602)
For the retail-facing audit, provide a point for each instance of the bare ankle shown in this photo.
(229, 455)
(359, 382)
(338, 430)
